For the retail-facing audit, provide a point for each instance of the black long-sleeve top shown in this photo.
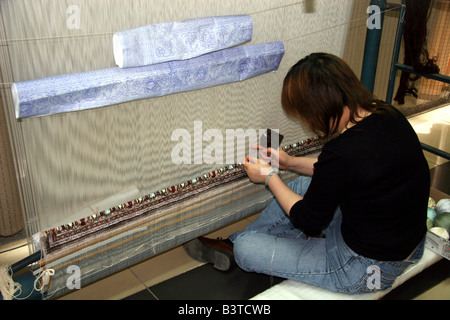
(377, 174)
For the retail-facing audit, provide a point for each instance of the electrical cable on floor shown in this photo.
(15, 248)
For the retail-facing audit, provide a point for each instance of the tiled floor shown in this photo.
(174, 275)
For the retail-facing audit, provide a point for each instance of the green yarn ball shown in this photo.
(431, 213)
(429, 224)
(443, 221)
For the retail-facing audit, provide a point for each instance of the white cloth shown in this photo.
(170, 41)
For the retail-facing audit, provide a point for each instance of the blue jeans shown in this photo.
(272, 245)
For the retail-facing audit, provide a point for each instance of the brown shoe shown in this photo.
(215, 251)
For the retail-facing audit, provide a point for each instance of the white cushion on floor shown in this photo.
(293, 290)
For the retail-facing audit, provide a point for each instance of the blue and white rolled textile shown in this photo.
(93, 89)
(170, 41)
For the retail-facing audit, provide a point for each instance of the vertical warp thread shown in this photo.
(69, 161)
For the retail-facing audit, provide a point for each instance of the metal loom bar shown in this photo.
(396, 52)
(372, 48)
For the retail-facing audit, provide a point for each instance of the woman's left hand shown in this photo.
(257, 170)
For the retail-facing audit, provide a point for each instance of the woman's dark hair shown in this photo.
(318, 87)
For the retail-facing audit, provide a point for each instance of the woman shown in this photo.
(360, 206)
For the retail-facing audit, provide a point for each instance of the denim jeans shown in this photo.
(272, 245)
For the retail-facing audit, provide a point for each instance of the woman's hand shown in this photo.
(257, 170)
(277, 158)
(281, 160)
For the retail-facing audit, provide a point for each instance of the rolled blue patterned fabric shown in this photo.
(169, 41)
(93, 89)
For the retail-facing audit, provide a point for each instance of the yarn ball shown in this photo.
(431, 213)
(441, 232)
(442, 206)
(443, 221)
(429, 224)
(431, 202)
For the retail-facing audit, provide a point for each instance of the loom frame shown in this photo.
(140, 236)
(396, 66)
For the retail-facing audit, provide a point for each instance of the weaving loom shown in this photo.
(71, 160)
(141, 228)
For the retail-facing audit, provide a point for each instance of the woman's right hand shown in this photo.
(276, 157)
